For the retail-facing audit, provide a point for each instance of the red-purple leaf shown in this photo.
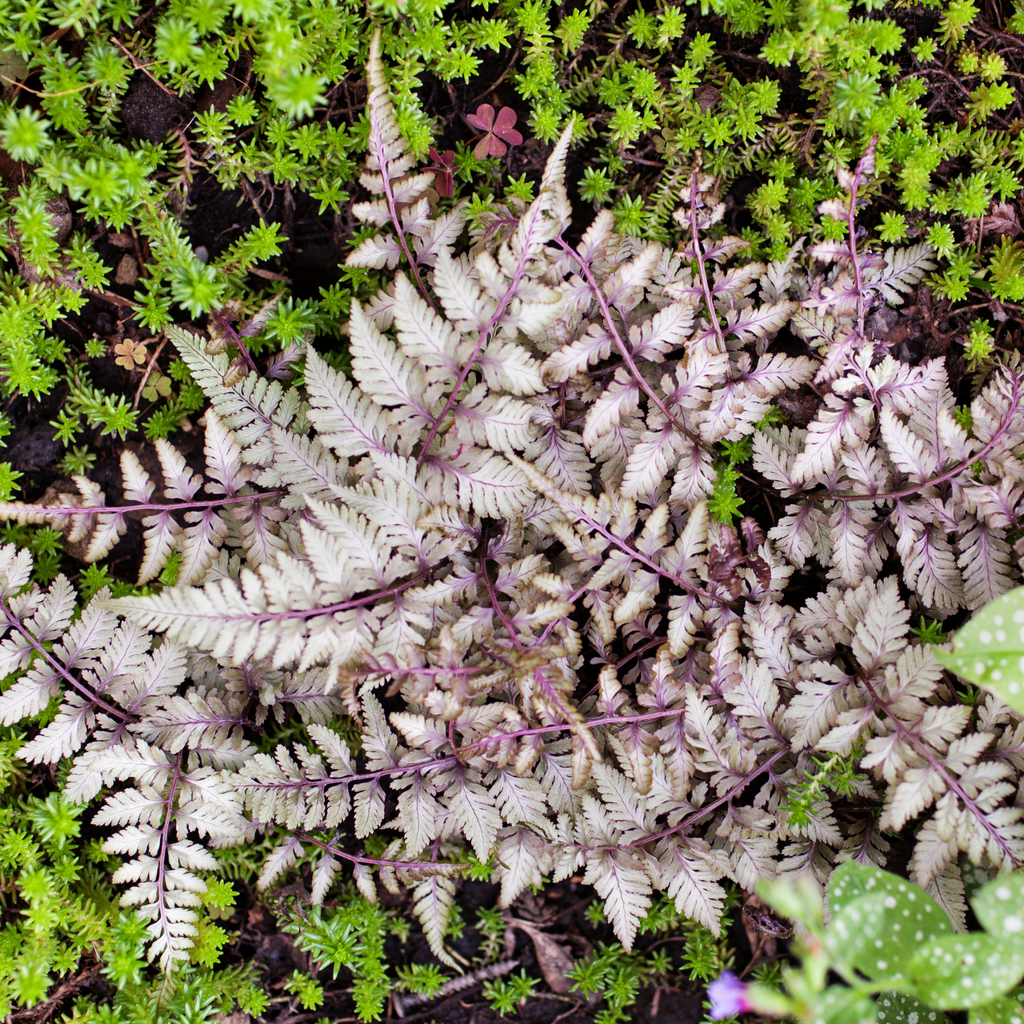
(489, 145)
(495, 129)
(504, 126)
(483, 119)
(444, 179)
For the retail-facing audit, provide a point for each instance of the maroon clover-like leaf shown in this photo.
(444, 178)
(499, 131)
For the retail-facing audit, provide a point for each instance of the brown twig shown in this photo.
(144, 68)
(114, 300)
(149, 370)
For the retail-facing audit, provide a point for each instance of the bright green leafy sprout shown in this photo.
(993, 67)
(508, 994)
(968, 61)
(220, 893)
(973, 197)
(8, 481)
(980, 343)
(492, 925)
(893, 227)
(1006, 269)
(855, 94)
(953, 24)
(630, 215)
(724, 504)
(572, 28)
(545, 122)
(701, 49)
(930, 631)
(78, 460)
(330, 194)
(30, 983)
(520, 187)
(308, 990)
(456, 924)
(941, 239)
(672, 23)
(25, 134)
(55, 820)
(208, 945)
(479, 871)
(421, 979)
(987, 99)
(595, 186)
(168, 577)
(925, 50)
(252, 1000)
(834, 773)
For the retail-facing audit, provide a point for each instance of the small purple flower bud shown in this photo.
(728, 997)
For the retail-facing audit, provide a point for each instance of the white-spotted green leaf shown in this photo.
(989, 650)
(841, 1005)
(879, 920)
(902, 1008)
(852, 881)
(957, 972)
(880, 932)
(999, 907)
(1007, 1010)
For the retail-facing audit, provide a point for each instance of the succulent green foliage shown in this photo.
(63, 917)
(350, 936)
(657, 90)
(830, 773)
(506, 995)
(616, 976)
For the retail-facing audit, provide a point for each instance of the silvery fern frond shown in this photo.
(121, 720)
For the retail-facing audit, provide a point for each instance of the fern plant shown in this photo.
(491, 546)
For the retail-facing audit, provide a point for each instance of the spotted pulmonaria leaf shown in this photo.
(881, 920)
(1007, 1010)
(839, 1004)
(999, 907)
(901, 1008)
(989, 650)
(956, 972)
(852, 881)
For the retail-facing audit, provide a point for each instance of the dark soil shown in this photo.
(150, 112)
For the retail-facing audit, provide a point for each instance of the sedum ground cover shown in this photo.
(488, 486)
